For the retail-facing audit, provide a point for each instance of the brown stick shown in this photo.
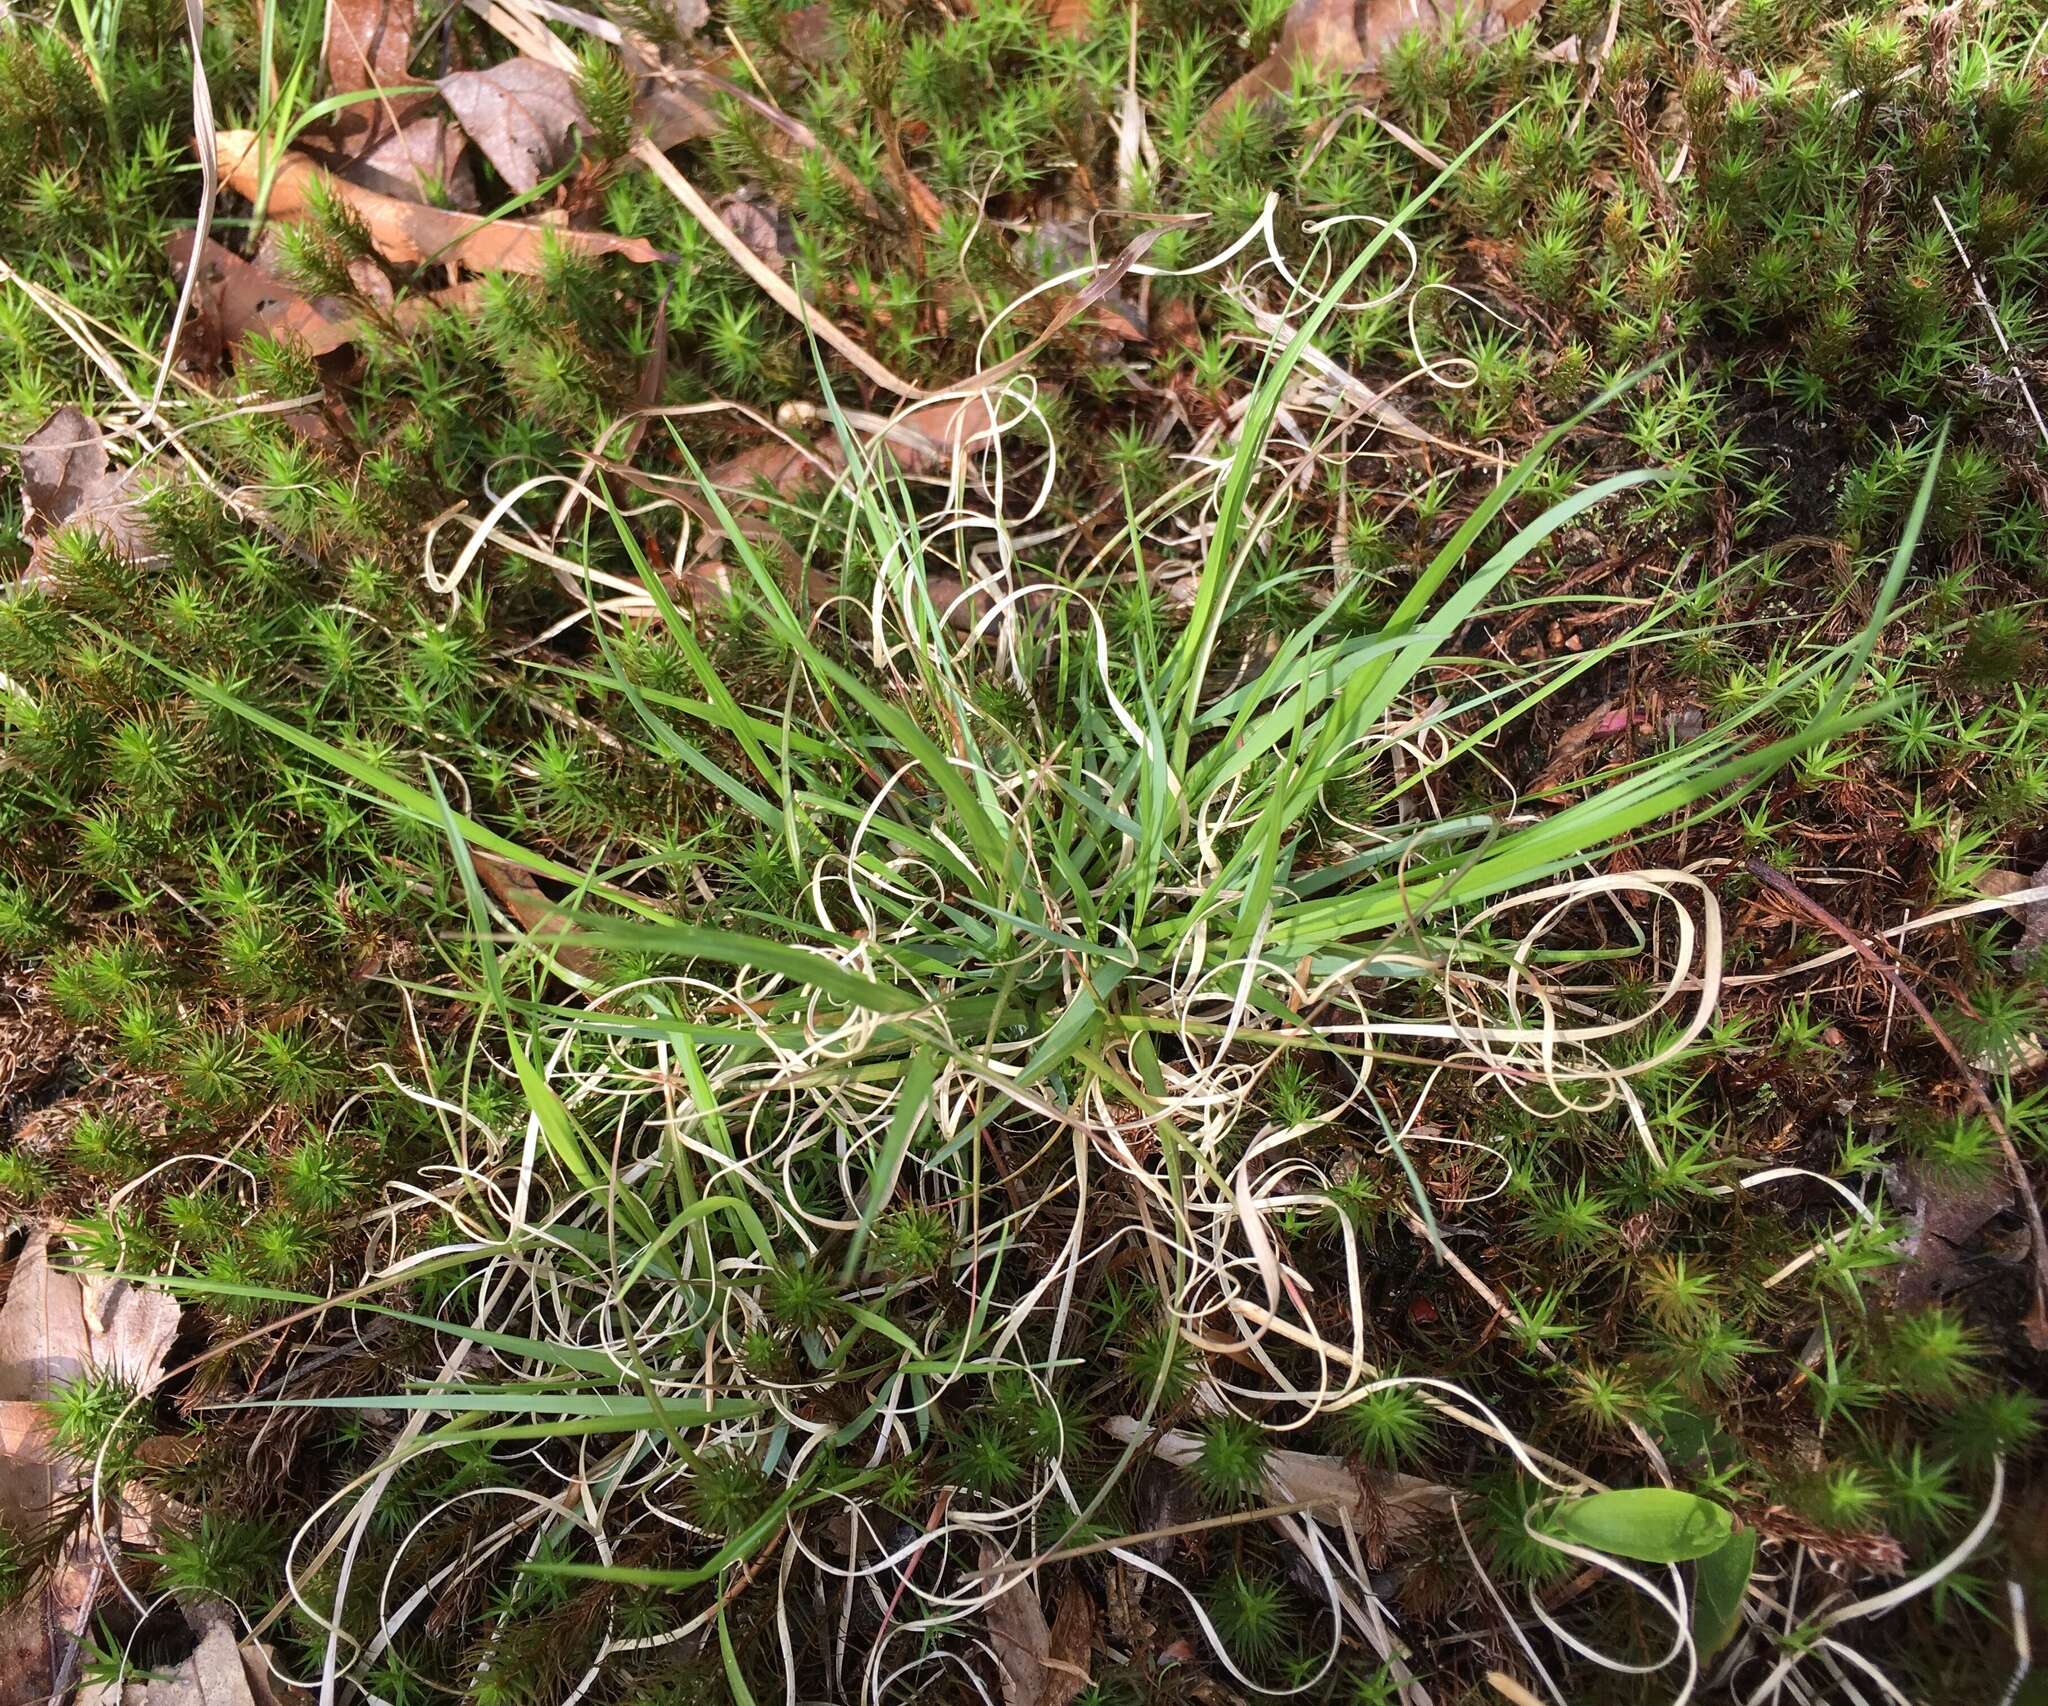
(1785, 888)
(1023, 1567)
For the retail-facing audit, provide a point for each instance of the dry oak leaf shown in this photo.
(1068, 17)
(923, 439)
(1040, 1665)
(759, 224)
(662, 107)
(68, 479)
(762, 477)
(1944, 1216)
(520, 113)
(391, 143)
(410, 234)
(212, 1675)
(55, 1328)
(672, 116)
(785, 468)
(941, 433)
(926, 438)
(239, 297)
(536, 914)
(427, 151)
(368, 46)
(1062, 17)
(64, 467)
(1351, 35)
(811, 36)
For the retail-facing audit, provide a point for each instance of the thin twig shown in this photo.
(1785, 888)
(1997, 328)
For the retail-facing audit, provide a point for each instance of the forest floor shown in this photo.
(1025, 853)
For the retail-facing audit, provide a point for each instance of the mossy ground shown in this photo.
(212, 949)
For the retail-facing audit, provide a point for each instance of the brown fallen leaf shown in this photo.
(536, 914)
(1061, 244)
(211, 1675)
(54, 1329)
(1944, 1214)
(521, 114)
(1174, 325)
(761, 225)
(64, 466)
(69, 480)
(368, 46)
(1039, 1665)
(1351, 35)
(428, 152)
(1017, 1632)
(783, 469)
(238, 297)
(1380, 1504)
(753, 482)
(411, 234)
(394, 144)
(55, 1326)
(934, 435)
(758, 480)
(922, 439)
(2033, 916)
(665, 109)
(673, 103)
(1073, 1640)
(811, 36)
(463, 298)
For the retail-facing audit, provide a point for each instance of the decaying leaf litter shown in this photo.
(520, 116)
(57, 1330)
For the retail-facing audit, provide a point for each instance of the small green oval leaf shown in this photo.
(1657, 1525)
(1719, 1582)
